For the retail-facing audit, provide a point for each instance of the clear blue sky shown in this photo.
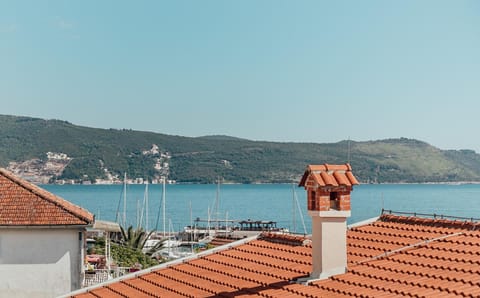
(302, 71)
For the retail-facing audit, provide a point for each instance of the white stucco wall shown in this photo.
(329, 246)
(39, 262)
(37, 280)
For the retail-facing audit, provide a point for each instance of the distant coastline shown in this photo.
(102, 156)
(272, 183)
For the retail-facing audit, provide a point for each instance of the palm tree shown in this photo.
(134, 238)
(158, 246)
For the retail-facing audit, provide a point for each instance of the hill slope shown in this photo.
(105, 153)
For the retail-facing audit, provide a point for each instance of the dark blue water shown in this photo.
(267, 201)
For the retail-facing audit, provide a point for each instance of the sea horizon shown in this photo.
(275, 202)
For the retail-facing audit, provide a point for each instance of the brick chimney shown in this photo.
(328, 193)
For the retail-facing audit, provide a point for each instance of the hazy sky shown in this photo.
(303, 71)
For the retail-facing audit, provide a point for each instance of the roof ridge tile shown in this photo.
(428, 222)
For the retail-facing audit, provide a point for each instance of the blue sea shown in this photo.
(274, 202)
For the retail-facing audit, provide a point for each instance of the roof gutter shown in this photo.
(363, 222)
(162, 266)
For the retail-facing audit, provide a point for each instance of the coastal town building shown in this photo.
(390, 256)
(50, 168)
(42, 240)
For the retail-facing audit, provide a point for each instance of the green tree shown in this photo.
(134, 238)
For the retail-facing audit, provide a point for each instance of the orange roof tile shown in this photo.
(25, 204)
(391, 257)
(331, 175)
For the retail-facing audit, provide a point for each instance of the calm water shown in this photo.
(266, 202)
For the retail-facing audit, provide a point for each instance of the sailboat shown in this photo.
(122, 221)
(296, 206)
(203, 231)
(215, 227)
(168, 238)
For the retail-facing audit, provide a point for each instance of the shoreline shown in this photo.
(274, 183)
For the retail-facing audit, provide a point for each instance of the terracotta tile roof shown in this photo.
(329, 175)
(23, 203)
(391, 257)
(219, 241)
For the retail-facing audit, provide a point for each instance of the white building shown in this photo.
(42, 240)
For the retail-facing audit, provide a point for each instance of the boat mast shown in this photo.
(191, 223)
(208, 220)
(163, 205)
(217, 202)
(125, 200)
(293, 209)
(226, 223)
(299, 211)
(349, 151)
(146, 207)
(138, 216)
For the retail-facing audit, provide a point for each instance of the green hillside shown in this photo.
(203, 159)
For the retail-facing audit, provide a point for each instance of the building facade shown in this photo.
(42, 240)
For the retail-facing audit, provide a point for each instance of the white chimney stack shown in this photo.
(328, 193)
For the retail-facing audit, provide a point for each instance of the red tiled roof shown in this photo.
(392, 257)
(25, 204)
(331, 175)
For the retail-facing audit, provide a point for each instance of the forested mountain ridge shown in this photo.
(88, 154)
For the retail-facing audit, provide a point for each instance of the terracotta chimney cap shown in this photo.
(328, 174)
